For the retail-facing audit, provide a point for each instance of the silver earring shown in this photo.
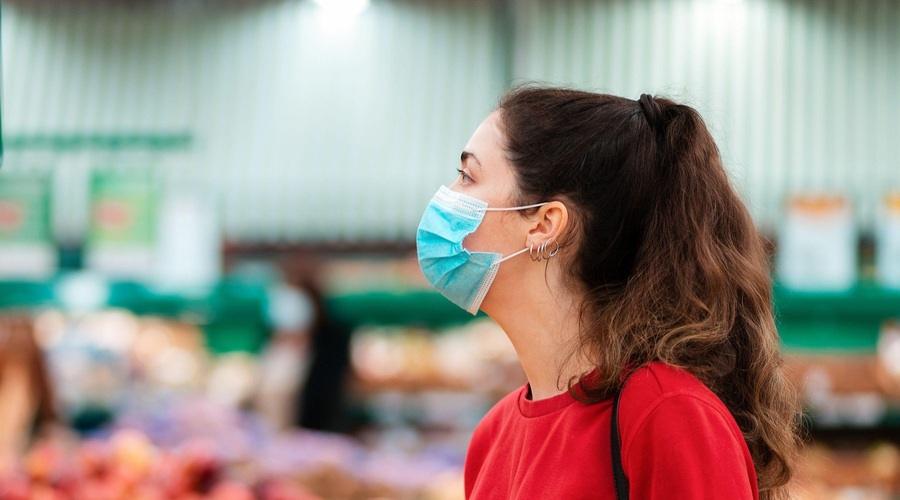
(543, 248)
(534, 257)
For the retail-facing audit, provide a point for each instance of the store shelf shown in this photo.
(847, 321)
(844, 322)
(230, 313)
(414, 308)
(25, 294)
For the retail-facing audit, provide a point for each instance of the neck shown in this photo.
(544, 329)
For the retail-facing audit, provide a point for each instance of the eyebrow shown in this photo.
(466, 155)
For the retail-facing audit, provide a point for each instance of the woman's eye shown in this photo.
(465, 177)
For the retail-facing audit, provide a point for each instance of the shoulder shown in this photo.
(677, 435)
(661, 388)
(659, 380)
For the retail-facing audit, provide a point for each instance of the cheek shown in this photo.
(480, 240)
(493, 235)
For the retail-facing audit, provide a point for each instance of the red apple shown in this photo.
(279, 489)
(14, 488)
(43, 462)
(133, 453)
(230, 490)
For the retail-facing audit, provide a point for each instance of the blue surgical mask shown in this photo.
(461, 276)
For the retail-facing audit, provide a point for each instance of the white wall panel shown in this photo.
(310, 131)
(305, 129)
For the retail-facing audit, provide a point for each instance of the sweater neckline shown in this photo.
(530, 408)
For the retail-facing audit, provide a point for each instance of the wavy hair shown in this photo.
(672, 266)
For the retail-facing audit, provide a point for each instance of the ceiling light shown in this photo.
(348, 8)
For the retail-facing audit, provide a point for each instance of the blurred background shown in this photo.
(208, 286)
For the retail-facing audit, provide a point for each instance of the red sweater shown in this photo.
(678, 441)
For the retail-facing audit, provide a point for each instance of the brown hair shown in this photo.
(672, 266)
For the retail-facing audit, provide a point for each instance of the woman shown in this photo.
(646, 280)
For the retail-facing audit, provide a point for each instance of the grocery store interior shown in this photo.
(208, 208)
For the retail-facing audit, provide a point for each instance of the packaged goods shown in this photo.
(817, 245)
(887, 243)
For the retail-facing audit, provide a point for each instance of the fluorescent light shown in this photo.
(349, 8)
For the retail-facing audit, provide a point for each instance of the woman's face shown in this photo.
(486, 174)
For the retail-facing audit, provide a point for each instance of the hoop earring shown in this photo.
(543, 248)
(535, 258)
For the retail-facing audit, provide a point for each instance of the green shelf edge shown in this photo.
(847, 321)
(114, 142)
(844, 321)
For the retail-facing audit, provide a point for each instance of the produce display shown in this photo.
(129, 466)
(856, 390)
(179, 425)
(179, 421)
(201, 449)
(474, 357)
(836, 473)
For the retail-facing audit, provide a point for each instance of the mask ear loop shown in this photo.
(511, 209)
(514, 254)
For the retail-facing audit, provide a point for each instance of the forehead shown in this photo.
(487, 141)
(495, 180)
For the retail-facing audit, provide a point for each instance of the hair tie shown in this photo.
(652, 111)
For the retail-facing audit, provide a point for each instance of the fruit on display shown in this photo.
(839, 473)
(201, 449)
(178, 432)
(474, 357)
(127, 466)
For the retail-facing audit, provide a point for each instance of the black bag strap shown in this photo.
(616, 444)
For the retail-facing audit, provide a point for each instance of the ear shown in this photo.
(549, 222)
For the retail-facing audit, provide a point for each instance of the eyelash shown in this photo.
(464, 175)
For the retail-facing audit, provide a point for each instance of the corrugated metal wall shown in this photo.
(801, 95)
(307, 127)
(310, 130)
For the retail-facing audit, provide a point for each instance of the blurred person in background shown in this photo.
(636, 292)
(304, 367)
(26, 401)
(291, 314)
